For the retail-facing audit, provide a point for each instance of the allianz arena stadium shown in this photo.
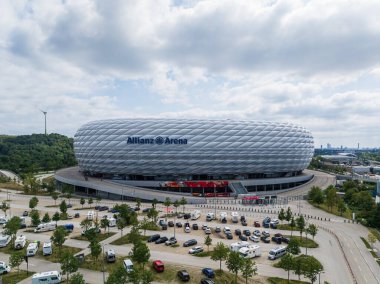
(195, 157)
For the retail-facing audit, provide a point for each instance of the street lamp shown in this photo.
(104, 275)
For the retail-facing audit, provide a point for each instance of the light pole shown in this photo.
(214, 201)
(104, 275)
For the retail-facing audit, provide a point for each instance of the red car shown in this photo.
(158, 265)
(256, 224)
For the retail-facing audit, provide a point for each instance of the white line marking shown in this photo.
(360, 269)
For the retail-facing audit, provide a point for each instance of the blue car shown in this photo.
(208, 272)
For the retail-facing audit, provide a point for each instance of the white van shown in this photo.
(44, 227)
(195, 214)
(47, 249)
(238, 245)
(4, 240)
(3, 220)
(90, 215)
(50, 277)
(276, 252)
(128, 265)
(20, 242)
(250, 251)
(4, 268)
(32, 249)
(111, 222)
(234, 217)
(210, 216)
(223, 217)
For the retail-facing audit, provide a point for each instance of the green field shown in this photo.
(101, 236)
(15, 277)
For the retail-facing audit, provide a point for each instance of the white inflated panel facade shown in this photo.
(162, 147)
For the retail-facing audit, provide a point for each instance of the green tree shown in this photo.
(316, 195)
(69, 264)
(56, 218)
(5, 207)
(287, 263)
(46, 218)
(330, 197)
(33, 202)
(292, 225)
(208, 242)
(138, 202)
(311, 268)
(98, 199)
(220, 253)
(35, 216)
(153, 214)
(118, 276)
(63, 207)
(59, 237)
(120, 223)
(183, 202)
(248, 269)
(301, 224)
(298, 267)
(145, 225)
(176, 204)
(293, 246)
(16, 259)
(312, 230)
(77, 278)
(146, 277)
(82, 201)
(134, 235)
(167, 203)
(95, 250)
(288, 215)
(104, 224)
(371, 239)
(341, 206)
(234, 263)
(140, 253)
(154, 202)
(281, 215)
(90, 201)
(54, 195)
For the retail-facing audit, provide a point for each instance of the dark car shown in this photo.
(25, 213)
(277, 240)
(243, 238)
(229, 236)
(153, 238)
(208, 272)
(164, 227)
(161, 222)
(183, 275)
(247, 233)
(242, 218)
(266, 222)
(161, 240)
(113, 210)
(237, 232)
(178, 224)
(190, 243)
(69, 205)
(146, 210)
(171, 224)
(97, 207)
(136, 208)
(265, 239)
(217, 230)
(76, 215)
(187, 216)
(207, 281)
(256, 224)
(285, 240)
(244, 223)
(103, 208)
(180, 215)
(195, 226)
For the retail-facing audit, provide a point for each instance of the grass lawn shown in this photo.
(85, 208)
(54, 257)
(347, 214)
(368, 246)
(309, 243)
(203, 253)
(89, 263)
(286, 227)
(52, 206)
(101, 236)
(11, 186)
(125, 240)
(9, 249)
(276, 280)
(375, 232)
(16, 277)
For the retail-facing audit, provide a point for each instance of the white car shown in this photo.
(227, 230)
(207, 231)
(195, 249)
(187, 230)
(4, 268)
(4, 240)
(254, 238)
(3, 220)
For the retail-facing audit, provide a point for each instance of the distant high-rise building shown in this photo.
(328, 146)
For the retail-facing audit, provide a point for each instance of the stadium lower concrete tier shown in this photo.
(196, 192)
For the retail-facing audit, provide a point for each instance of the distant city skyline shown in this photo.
(311, 63)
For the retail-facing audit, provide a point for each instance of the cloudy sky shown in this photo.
(313, 63)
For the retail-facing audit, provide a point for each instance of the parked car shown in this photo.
(243, 238)
(208, 272)
(217, 230)
(4, 268)
(187, 230)
(256, 224)
(146, 210)
(76, 215)
(285, 240)
(277, 240)
(207, 281)
(187, 216)
(247, 233)
(178, 224)
(180, 215)
(171, 224)
(153, 238)
(161, 240)
(204, 226)
(237, 232)
(244, 223)
(196, 249)
(195, 226)
(69, 205)
(103, 208)
(257, 233)
(265, 234)
(254, 238)
(171, 241)
(25, 213)
(265, 239)
(158, 265)
(161, 222)
(136, 209)
(183, 275)
(229, 236)
(207, 231)
(164, 227)
(190, 243)
(242, 218)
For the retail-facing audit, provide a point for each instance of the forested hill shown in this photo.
(36, 152)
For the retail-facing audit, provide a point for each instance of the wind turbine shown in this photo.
(44, 112)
